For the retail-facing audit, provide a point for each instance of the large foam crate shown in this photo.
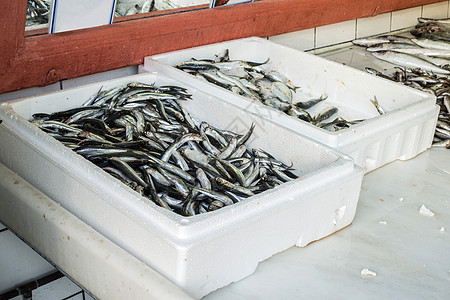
(402, 133)
(199, 253)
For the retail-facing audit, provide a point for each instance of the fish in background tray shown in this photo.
(37, 12)
(141, 135)
(258, 82)
(423, 63)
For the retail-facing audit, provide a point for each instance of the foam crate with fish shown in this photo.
(203, 252)
(399, 126)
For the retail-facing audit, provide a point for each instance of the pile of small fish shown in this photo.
(429, 50)
(37, 12)
(252, 80)
(140, 134)
(421, 58)
(427, 81)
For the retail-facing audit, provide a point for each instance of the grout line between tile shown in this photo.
(390, 21)
(315, 37)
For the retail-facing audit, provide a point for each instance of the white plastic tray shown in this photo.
(405, 131)
(199, 253)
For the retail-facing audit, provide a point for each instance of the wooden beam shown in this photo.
(45, 59)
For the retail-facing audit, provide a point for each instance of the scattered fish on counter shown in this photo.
(419, 59)
(141, 135)
(256, 81)
(37, 12)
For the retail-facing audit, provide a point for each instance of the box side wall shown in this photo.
(403, 141)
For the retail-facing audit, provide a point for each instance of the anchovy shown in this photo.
(310, 103)
(380, 110)
(257, 82)
(154, 146)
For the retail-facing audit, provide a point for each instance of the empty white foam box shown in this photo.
(199, 253)
(406, 129)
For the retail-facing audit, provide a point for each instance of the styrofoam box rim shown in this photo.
(180, 230)
(426, 102)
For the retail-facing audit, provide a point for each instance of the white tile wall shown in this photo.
(300, 40)
(65, 84)
(335, 33)
(437, 10)
(373, 25)
(405, 18)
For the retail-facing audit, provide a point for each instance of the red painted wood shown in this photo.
(45, 59)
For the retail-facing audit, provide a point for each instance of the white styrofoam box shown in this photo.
(203, 252)
(406, 130)
(30, 92)
(107, 75)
